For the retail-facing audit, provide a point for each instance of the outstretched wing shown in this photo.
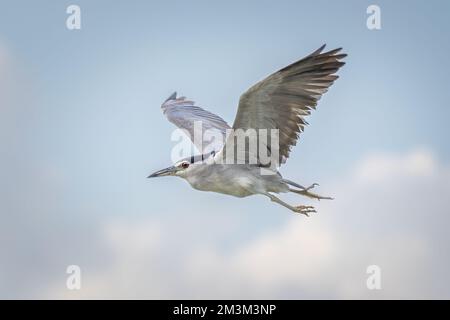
(283, 100)
(205, 129)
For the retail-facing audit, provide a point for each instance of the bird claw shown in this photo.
(311, 186)
(314, 195)
(304, 210)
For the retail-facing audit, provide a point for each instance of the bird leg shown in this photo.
(295, 184)
(307, 193)
(297, 209)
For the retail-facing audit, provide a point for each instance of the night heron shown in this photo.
(280, 102)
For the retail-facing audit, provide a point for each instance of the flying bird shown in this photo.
(280, 102)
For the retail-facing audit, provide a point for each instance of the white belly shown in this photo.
(217, 179)
(235, 180)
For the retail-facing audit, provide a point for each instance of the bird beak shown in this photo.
(170, 171)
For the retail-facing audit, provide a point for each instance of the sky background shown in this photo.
(81, 128)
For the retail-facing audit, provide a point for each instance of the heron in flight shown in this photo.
(280, 102)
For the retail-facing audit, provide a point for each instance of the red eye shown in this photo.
(185, 165)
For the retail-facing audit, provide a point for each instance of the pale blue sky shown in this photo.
(91, 123)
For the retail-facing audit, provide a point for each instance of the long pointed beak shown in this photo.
(164, 172)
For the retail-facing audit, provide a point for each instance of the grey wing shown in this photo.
(284, 99)
(205, 129)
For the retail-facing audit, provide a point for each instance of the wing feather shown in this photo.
(284, 99)
(196, 121)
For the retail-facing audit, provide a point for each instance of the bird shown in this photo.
(280, 103)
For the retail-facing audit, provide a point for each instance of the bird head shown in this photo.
(178, 169)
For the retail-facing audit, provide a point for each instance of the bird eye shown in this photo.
(185, 165)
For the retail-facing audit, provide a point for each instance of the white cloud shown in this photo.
(391, 211)
(379, 167)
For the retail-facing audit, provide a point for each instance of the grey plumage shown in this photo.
(184, 114)
(282, 101)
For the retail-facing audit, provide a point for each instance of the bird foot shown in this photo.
(313, 195)
(304, 210)
(311, 186)
(318, 197)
